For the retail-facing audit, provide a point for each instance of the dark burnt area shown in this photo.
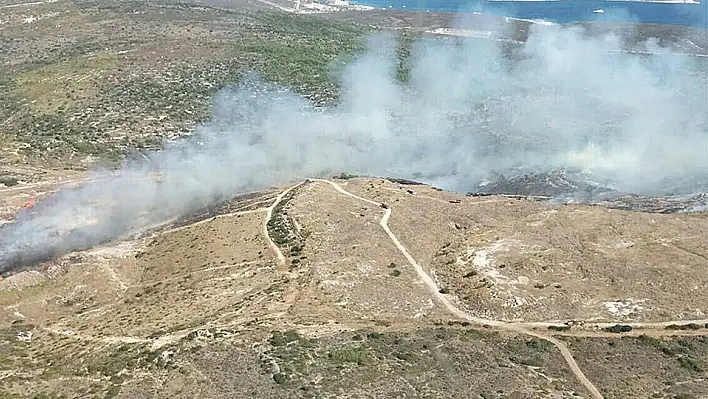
(405, 182)
(59, 244)
(656, 204)
(35, 254)
(540, 184)
(235, 204)
(564, 187)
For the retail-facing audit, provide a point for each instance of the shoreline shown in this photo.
(685, 13)
(685, 40)
(608, 1)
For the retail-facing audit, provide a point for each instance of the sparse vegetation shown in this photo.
(9, 181)
(618, 328)
(690, 364)
(283, 231)
(673, 358)
(280, 378)
(689, 326)
(280, 339)
(349, 355)
(89, 101)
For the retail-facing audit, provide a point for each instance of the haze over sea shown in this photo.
(562, 11)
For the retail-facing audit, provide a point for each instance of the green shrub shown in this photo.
(690, 364)
(349, 355)
(9, 181)
(618, 328)
(280, 378)
(280, 339)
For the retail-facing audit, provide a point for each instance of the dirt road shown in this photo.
(442, 298)
(585, 328)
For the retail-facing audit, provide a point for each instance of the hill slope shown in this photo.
(210, 308)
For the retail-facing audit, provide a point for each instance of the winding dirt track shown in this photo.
(445, 300)
(433, 288)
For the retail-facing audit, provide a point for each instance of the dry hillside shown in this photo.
(339, 288)
(329, 304)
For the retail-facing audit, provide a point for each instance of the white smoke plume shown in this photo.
(469, 109)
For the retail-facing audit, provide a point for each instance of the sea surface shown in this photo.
(566, 11)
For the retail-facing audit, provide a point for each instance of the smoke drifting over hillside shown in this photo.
(469, 110)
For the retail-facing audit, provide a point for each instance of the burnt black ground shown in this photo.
(60, 242)
(568, 187)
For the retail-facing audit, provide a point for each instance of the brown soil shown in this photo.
(183, 308)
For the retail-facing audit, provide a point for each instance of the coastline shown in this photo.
(684, 40)
(609, 1)
(689, 13)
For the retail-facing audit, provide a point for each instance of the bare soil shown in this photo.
(516, 259)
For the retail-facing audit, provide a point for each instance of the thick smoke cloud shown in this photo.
(470, 109)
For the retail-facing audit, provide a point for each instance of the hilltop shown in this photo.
(457, 295)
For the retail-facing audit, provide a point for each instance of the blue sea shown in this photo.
(566, 11)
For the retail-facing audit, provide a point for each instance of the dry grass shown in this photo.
(525, 260)
(349, 259)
